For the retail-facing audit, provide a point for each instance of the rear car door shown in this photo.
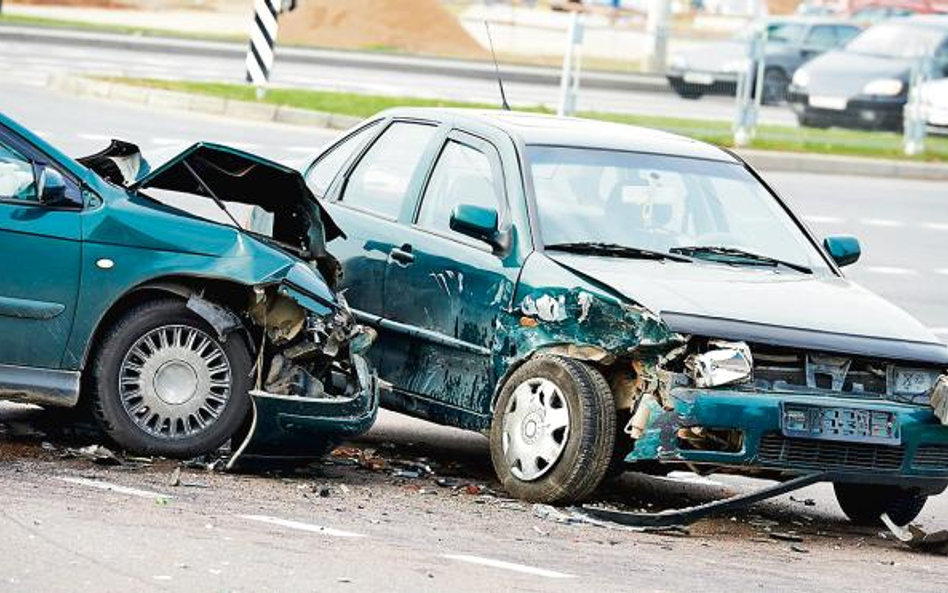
(447, 289)
(368, 199)
(39, 261)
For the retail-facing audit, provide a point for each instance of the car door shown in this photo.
(367, 201)
(39, 261)
(447, 289)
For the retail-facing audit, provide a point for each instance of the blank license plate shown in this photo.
(833, 103)
(699, 78)
(840, 424)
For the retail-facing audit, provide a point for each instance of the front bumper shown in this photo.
(301, 428)
(861, 112)
(919, 460)
(702, 82)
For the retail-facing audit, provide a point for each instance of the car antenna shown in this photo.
(500, 81)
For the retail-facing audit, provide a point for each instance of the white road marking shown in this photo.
(882, 222)
(522, 568)
(818, 219)
(890, 271)
(936, 226)
(95, 137)
(300, 526)
(114, 488)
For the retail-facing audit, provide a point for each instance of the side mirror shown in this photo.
(844, 249)
(51, 188)
(477, 222)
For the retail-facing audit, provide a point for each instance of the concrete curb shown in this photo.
(764, 160)
(471, 69)
(162, 99)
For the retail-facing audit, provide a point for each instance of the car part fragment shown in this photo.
(724, 364)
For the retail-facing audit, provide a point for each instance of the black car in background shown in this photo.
(866, 83)
(714, 68)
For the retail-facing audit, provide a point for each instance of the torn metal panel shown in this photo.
(725, 363)
(918, 539)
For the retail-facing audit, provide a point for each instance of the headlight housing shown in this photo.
(884, 87)
(911, 383)
(801, 78)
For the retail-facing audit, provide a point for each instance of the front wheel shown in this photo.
(864, 504)
(164, 384)
(553, 431)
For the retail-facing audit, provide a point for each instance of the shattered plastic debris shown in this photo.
(939, 399)
(918, 539)
(574, 516)
(94, 453)
(726, 363)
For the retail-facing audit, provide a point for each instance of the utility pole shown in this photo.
(263, 35)
(572, 64)
(657, 26)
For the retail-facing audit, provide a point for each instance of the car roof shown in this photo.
(550, 130)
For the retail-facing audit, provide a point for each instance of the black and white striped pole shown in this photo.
(263, 35)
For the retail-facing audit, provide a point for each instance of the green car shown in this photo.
(183, 305)
(596, 296)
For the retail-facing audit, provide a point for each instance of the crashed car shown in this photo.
(137, 292)
(592, 295)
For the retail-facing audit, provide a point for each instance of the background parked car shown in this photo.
(714, 68)
(866, 83)
(935, 99)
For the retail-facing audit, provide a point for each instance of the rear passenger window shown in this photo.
(463, 175)
(381, 180)
(321, 174)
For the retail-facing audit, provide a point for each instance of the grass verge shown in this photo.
(769, 137)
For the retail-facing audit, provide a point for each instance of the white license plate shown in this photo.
(911, 382)
(699, 78)
(834, 103)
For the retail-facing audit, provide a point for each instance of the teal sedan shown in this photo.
(596, 296)
(183, 304)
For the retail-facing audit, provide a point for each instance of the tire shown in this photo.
(776, 83)
(175, 411)
(686, 91)
(865, 503)
(528, 407)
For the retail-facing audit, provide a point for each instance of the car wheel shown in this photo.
(865, 503)
(686, 91)
(809, 121)
(776, 84)
(553, 430)
(165, 385)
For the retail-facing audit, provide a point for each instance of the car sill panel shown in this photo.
(48, 387)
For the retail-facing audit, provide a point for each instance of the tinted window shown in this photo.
(380, 181)
(821, 37)
(321, 175)
(16, 175)
(463, 175)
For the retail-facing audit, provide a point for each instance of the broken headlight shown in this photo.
(911, 383)
(725, 363)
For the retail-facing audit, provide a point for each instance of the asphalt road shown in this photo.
(30, 62)
(69, 524)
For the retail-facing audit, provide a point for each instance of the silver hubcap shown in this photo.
(174, 382)
(535, 428)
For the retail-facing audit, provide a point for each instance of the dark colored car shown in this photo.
(136, 293)
(590, 293)
(714, 67)
(866, 83)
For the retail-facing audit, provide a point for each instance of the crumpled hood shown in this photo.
(752, 295)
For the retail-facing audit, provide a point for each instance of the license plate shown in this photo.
(699, 78)
(840, 424)
(833, 103)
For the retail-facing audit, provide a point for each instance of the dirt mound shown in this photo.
(415, 26)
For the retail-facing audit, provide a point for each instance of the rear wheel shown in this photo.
(865, 503)
(164, 384)
(686, 91)
(807, 120)
(553, 431)
(776, 84)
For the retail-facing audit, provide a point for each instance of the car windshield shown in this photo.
(703, 209)
(897, 40)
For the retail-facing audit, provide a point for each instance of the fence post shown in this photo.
(572, 60)
(263, 35)
(915, 113)
(750, 84)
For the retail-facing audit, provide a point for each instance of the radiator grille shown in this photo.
(932, 457)
(778, 450)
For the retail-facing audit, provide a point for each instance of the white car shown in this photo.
(935, 99)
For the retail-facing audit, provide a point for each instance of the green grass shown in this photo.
(783, 138)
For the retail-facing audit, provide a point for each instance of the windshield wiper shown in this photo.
(615, 250)
(699, 250)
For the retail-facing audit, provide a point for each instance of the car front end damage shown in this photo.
(746, 406)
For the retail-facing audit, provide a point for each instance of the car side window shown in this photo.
(380, 182)
(321, 175)
(785, 32)
(821, 37)
(462, 175)
(844, 34)
(16, 175)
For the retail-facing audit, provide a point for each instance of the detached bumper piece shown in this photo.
(296, 430)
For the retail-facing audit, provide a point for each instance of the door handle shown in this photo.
(403, 254)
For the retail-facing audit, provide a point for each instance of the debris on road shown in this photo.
(95, 453)
(785, 536)
(918, 539)
(575, 515)
(175, 480)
